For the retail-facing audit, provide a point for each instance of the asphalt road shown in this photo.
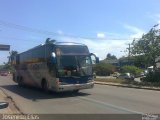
(101, 99)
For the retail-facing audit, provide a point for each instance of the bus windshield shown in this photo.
(71, 65)
(72, 50)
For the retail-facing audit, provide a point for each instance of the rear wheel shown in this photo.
(45, 86)
(20, 80)
(14, 77)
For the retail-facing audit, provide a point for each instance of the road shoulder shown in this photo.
(12, 108)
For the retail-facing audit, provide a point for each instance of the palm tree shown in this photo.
(49, 40)
(12, 55)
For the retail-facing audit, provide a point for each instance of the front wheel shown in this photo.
(75, 91)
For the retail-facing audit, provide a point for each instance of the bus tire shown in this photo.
(44, 85)
(75, 91)
(20, 80)
(14, 77)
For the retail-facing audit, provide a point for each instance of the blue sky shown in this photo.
(106, 26)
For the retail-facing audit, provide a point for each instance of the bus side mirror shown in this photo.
(94, 58)
(53, 58)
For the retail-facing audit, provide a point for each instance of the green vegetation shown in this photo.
(148, 47)
(12, 55)
(153, 77)
(146, 50)
(8, 65)
(142, 54)
(103, 69)
(111, 57)
(131, 69)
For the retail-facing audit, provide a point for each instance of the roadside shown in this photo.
(124, 83)
(12, 108)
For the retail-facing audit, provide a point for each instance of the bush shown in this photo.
(103, 69)
(153, 77)
(131, 69)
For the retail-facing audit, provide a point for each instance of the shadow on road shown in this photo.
(36, 93)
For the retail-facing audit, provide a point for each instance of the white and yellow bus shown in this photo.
(56, 66)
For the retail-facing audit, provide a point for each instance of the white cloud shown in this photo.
(106, 46)
(111, 35)
(101, 35)
(136, 32)
(60, 32)
(157, 17)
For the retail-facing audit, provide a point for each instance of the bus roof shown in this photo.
(69, 43)
(56, 43)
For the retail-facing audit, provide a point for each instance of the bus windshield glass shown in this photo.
(74, 65)
(72, 50)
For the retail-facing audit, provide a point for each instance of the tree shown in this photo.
(7, 66)
(111, 57)
(12, 55)
(104, 69)
(49, 40)
(148, 46)
(140, 61)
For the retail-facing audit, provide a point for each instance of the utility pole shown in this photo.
(129, 53)
(129, 50)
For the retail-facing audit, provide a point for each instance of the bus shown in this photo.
(57, 66)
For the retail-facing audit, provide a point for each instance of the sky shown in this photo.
(105, 26)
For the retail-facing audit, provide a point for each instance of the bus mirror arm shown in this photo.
(96, 58)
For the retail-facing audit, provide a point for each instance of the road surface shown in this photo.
(101, 99)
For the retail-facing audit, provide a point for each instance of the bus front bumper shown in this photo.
(72, 87)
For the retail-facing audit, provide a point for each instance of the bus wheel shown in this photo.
(14, 77)
(75, 91)
(44, 85)
(20, 80)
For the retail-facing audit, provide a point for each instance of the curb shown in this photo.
(127, 86)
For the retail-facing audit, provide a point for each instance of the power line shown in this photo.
(33, 30)
(24, 28)
(19, 39)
